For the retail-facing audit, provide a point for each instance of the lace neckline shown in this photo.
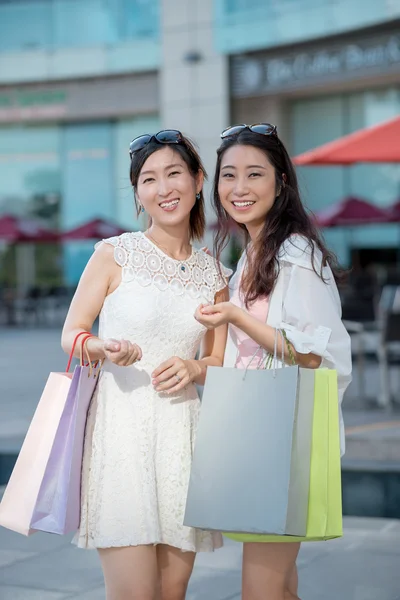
(145, 263)
(186, 261)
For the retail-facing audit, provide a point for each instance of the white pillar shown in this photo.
(194, 80)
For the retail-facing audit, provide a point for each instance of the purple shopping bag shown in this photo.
(57, 507)
(43, 492)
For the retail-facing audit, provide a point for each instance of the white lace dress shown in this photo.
(139, 443)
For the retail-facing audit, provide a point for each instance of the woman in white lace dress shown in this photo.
(141, 426)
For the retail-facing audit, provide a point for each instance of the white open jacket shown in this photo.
(308, 309)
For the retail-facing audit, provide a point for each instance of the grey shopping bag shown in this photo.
(251, 464)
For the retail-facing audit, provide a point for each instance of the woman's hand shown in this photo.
(214, 315)
(174, 374)
(121, 352)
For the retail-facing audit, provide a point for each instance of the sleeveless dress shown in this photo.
(139, 442)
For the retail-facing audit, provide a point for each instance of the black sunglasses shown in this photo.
(166, 136)
(262, 128)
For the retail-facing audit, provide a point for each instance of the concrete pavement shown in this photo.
(363, 565)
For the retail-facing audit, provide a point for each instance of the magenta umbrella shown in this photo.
(95, 229)
(351, 212)
(25, 230)
(394, 212)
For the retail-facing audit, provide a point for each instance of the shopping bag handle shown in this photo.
(88, 335)
(84, 349)
(82, 358)
(271, 361)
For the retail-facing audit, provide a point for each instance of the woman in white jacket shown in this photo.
(285, 279)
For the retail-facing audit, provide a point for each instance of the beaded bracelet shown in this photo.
(289, 348)
(270, 357)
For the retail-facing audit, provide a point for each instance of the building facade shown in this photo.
(77, 83)
(79, 79)
(330, 68)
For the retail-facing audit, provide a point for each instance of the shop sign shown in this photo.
(269, 73)
(105, 98)
(32, 104)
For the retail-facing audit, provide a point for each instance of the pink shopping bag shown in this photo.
(43, 493)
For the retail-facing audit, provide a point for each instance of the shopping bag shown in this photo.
(251, 462)
(43, 493)
(325, 498)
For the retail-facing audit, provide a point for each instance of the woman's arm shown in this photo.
(213, 346)
(311, 319)
(88, 299)
(262, 334)
(100, 277)
(193, 370)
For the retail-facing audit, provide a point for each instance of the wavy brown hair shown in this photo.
(287, 216)
(189, 154)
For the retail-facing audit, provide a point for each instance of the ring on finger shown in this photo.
(178, 378)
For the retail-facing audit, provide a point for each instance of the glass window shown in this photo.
(76, 23)
(139, 18)
(30, 171)
(381, 181)
(15, 35)
(234, 6)
(88, 186)
(30, 185)
(242, 25)
(87, 23)
(319, 120)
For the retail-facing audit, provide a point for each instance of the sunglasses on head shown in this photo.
(166, 136)
(262, 128)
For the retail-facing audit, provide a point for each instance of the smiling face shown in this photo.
(166, 188)
(247, 185)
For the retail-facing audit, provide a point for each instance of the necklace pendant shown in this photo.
(183, 268)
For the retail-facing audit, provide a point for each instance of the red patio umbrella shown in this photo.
(95, 229)
(394, 212)
(351, 212)
(25, 230)
(377, 144)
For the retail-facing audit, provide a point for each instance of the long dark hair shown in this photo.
(287, 216)
(189, 154)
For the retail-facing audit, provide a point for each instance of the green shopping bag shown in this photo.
(325, 501)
